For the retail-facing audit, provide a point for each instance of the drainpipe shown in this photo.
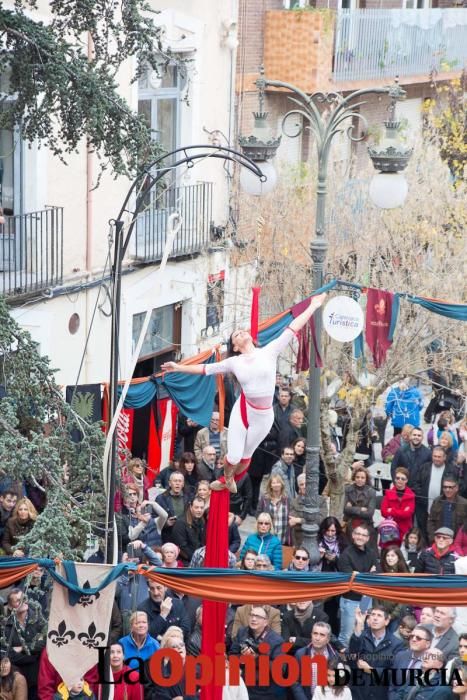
(89, 237)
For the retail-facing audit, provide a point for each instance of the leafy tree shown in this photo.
(36, 446)
(446, 122)
(418, 249)
(62, 94)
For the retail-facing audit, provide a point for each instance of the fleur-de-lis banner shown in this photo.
(75, 632)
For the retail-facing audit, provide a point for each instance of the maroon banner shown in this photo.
(378, 323)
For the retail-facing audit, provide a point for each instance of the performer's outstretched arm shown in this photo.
(305, 316)
(185, 369)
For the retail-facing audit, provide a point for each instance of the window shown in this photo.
(10, 161)
(162, 339)
(159, 103)
(215, 303)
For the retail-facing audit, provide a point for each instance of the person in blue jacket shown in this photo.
(263, 541)
(403, 406)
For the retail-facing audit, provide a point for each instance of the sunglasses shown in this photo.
(401, 478)
(263, 522)
(297, 556)
(417, 638)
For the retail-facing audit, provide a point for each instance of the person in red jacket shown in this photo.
(460, 543)
(49, 679)
(123, 690)
(399, 502)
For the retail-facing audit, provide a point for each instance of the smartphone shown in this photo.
(130, 550)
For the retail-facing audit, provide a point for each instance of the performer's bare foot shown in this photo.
(217, 485)
(229, 484)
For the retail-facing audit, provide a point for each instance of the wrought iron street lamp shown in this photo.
(390, 157)
(151, 175)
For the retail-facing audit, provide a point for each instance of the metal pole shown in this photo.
(324, 125)
(113, 384)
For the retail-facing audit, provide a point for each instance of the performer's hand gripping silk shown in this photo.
(252, 415)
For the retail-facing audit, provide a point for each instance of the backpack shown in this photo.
(388, 531)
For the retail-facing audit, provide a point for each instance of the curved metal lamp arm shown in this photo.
(189, 155)
(343, 108)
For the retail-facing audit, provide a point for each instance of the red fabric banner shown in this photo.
(378, 323)
(217, 548)
(255, 313)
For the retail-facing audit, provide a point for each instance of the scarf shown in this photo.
(302, 615)
(331, 544)
(439, 554)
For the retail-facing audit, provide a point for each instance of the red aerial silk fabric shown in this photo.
(217, 548)
(255, 313)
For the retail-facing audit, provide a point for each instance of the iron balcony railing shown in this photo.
(31, 251)
(194, 203)
(371, 44)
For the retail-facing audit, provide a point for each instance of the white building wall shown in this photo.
(196, 30)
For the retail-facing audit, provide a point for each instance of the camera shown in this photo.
(251, 643)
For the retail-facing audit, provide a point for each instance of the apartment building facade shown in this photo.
(342, 46)
(55, 242)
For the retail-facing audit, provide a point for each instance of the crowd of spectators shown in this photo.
(416, 523)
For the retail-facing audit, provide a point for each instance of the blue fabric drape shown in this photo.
(71, 581)
(394, 316)
(274, 330)
(456, 311)
(193, 393)
(139, 395)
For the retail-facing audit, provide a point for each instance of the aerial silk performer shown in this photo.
(252, 415)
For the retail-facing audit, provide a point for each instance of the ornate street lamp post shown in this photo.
(390, 158)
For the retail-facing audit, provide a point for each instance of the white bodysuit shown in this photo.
(256, 374)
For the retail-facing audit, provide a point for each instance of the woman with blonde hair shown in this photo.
(264, 541)
(276, 502)
(20, 523)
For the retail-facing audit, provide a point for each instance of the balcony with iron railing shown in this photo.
(193, 202)
(321, 49)
(31, 251)
(380, 44)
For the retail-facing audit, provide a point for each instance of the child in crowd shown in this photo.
(78, 691)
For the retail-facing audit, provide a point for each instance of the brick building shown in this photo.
(345, 45)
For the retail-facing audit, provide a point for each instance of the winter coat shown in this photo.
(435, 518)
(240, 502)
(158, 625)
(359, 498)
(267, 544)
(400, 509)
(404, 406)
(391, 447)
(412, 460)
(189, 537)
(292, 627)
(275, 641)
(202, 441)
(460, 543)
(303, 692)
(14, 531)
(124, 690)
(429, 562)
(378, 657)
